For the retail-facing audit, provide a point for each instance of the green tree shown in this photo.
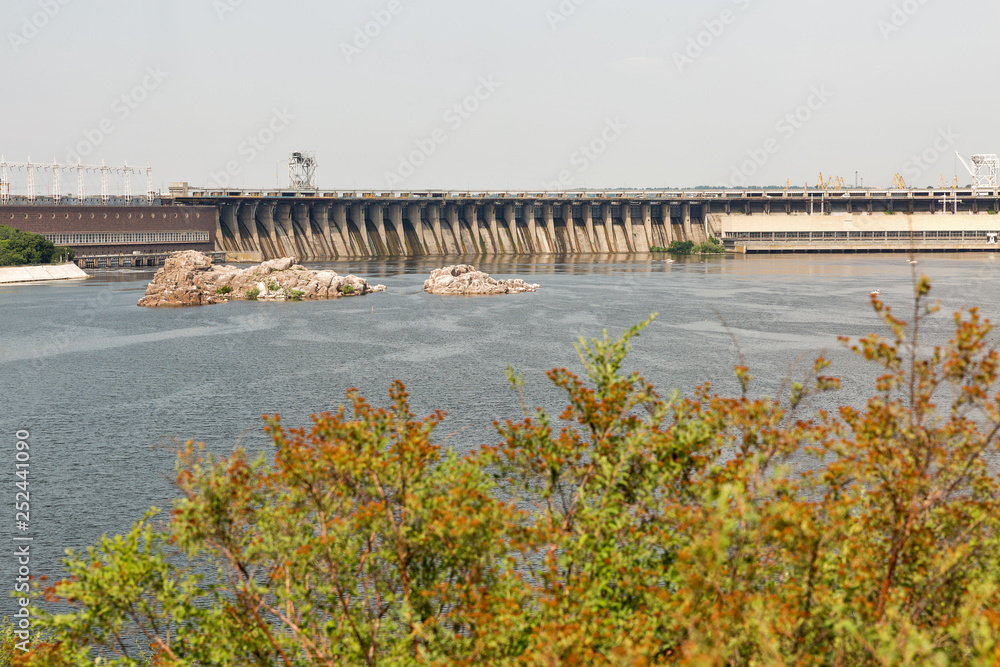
(23, 248)
(712, 246)
(681, 247)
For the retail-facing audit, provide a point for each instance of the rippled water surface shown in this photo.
(106, 389)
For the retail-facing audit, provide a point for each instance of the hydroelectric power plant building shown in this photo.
(314, 224)
(337, 224)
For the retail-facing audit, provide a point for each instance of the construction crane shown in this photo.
(898, 183)
(984, 169)
(832, 183)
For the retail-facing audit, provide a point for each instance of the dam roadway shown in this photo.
(340, 224)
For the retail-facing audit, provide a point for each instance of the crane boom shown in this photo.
(965, 164)
(984, 170)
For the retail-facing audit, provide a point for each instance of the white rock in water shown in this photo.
(189, 279)
(465, 279)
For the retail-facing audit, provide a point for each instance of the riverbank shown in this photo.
(41, 273)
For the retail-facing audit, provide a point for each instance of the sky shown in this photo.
(512, 95)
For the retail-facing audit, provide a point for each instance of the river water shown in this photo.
(107, 389)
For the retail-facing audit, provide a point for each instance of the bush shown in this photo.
(23, 248)
(12, 647)
(712, 246)
(294, 294)
(632, 529)
(225, 289)
(272, 286)
(252, 294)
(681, 247)
(657, 248)
(347, 289)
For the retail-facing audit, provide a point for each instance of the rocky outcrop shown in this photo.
(189, 279)
(464, 279)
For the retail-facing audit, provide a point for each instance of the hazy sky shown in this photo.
(526, 94)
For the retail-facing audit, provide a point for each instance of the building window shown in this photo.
(128, 238)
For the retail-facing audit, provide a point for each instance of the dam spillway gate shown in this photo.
(324, 229)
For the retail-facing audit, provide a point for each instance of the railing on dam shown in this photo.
(643, 194)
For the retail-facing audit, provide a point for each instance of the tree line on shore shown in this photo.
(631, 527)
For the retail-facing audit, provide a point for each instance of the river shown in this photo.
(107, 390)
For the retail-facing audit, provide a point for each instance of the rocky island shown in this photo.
(188, 278)
(465, 279)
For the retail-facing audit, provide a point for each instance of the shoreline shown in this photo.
(42, 273)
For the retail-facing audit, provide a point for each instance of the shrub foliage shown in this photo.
(633, 528)
(19, 248)
(712, 246)
(681, 247)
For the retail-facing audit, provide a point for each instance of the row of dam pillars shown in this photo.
(315, 231)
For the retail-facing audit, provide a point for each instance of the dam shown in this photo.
(328, 225)
(339, 224)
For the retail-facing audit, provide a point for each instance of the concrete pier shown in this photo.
(38, 274)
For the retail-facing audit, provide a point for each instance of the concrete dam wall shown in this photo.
(324, 230)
